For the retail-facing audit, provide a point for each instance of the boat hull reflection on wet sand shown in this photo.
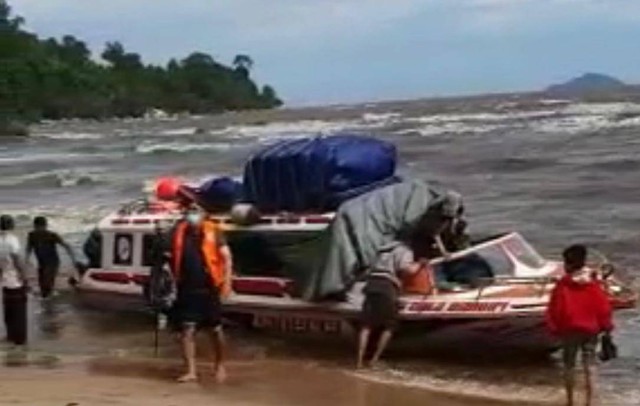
(493, 294)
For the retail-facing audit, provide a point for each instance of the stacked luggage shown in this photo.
(306, 175)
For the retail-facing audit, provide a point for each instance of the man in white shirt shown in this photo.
(14, 283)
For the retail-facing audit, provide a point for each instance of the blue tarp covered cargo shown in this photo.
(318, 174)
(219, 193)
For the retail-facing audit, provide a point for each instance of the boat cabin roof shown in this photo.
(146, 216)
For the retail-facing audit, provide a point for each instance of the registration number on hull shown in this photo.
(298, 324)
(457, 307)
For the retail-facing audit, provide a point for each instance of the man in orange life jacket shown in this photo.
(201, 263)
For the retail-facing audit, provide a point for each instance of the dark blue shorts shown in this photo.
(198, 309)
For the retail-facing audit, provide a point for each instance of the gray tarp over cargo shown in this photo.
(331, 263)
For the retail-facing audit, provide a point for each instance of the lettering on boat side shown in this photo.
(297, 324)
(455, 307)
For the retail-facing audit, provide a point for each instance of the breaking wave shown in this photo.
(585, 118)
(36, 157)
(70, 136)
(289, 129)
(179, 131)
(180, 147)
(449, 128)
(55, 179)
(567, 118)
(482, 117)
(381, 117)
(54, 157)
(68, 220)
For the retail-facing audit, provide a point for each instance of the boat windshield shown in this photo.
(524, 252)
(474, 269)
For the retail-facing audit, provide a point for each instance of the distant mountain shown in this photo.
(589, 83)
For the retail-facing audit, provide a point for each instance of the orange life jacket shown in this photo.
(419, 283)
(214, 261)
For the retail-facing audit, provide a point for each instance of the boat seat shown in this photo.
(262, 286)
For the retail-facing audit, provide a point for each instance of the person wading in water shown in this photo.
(201, 265)
(14, 283)
(44, 243)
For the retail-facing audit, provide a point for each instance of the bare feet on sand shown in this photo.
(189, 377)
(220, 374)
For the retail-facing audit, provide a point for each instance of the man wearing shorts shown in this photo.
(579, 311)
(201, 264)
(44, 243)
(379, 311)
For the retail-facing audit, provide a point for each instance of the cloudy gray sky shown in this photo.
(332, 51)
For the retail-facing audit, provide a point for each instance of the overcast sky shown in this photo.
(332, 51)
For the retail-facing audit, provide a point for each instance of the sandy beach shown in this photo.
(108, 381)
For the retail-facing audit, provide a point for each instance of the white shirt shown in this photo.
(9, 246)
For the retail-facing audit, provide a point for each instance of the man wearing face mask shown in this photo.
(201, 264)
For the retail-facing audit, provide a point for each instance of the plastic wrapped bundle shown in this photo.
(219, 194)
(318, 174)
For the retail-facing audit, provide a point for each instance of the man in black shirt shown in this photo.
(44, 244)
(201, 265)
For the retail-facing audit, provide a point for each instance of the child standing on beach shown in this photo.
(579, 311)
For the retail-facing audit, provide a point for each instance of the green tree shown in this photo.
(74, 51)
(243, 61)
(57, 78)
(269, 97)
(243, 65)
(7, 22)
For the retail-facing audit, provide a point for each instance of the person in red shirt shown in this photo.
(578, 312)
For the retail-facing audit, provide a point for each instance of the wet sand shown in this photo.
(125, 381)
(83, 356)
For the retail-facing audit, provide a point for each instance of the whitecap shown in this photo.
(571, 124)
(553, 102)
(448, 128)
(297, 129)
(37, 157)
(482, 117)
(64, 219)
(384, 117)
(55, 178)
(584, 118)
(601, 109)
(67, 157)
(180, 147)
(70, 136)
(179, 131)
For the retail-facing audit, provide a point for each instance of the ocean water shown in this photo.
(558, 171)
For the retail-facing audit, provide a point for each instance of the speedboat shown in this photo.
(494, 293)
